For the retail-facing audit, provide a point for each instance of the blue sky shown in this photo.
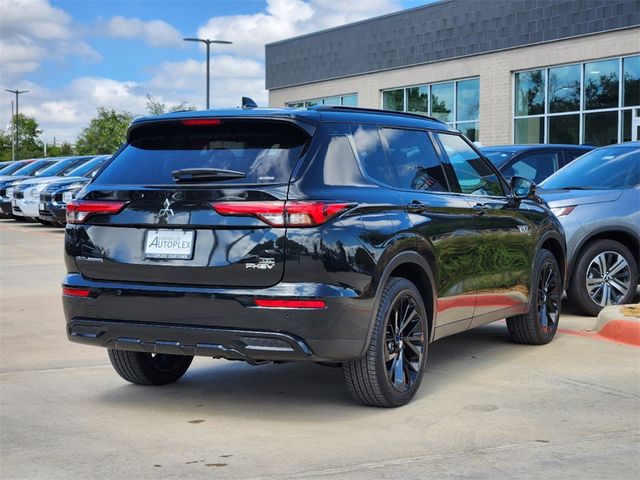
(76, 55)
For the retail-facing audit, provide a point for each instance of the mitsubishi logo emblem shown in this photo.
(166, 210)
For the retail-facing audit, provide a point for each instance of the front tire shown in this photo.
(606, 273)
(391, 370)
(149, 369)
(539, 325)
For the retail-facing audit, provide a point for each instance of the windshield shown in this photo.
(63, 167)
(498, 157)
(11, 167)
(608, 168)
(34, 168)
(88, 168)
(264, 151)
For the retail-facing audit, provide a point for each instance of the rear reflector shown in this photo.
(271, 303)
(75, 292)
(284, 214)
(79, 210)
(201, 122)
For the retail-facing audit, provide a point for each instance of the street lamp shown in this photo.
(15, 121)
(208, 43)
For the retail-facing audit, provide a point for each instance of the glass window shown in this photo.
(469, 130)
(626, 126)
(498, 157)
(418, 100)
(34, 168)
(414, 160)
(350, 100)
(564, 89)
(601, 128)
(530, 92)
(601, 84)
(468, 100)
(474, 175)
(311, 103)
(631, 84)
(393, 99)
(442, 101)
(331, 101)
(602, 169)
(340, 166)
(564, 129)
(534, 166)
(529, 130)
(371, 154)
(296, 105)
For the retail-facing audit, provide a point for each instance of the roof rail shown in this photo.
(373, 110)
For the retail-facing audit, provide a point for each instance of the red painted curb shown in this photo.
(623, 331)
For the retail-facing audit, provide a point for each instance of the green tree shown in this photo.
(154, 107)
(63, 150)
(30, 145)
(105, 133)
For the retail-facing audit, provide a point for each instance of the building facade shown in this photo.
(500, 71)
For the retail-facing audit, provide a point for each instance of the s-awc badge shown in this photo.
(263, 264)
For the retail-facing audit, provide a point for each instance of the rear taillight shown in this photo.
(75, 292)
(284, 214)
(279, 303)
(79, 210)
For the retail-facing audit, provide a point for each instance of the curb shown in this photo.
(615, 325)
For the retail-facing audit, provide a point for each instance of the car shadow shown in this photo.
(294, 389)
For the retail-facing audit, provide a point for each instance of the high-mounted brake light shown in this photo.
(201, 122)
(284, 214)
(272, 303)
(79, 210)
(75, 292)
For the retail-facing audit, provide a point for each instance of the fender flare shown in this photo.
(592, 233)
(405, 257)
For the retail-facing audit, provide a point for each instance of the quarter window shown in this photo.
(371, 154)
(474, 176)
(414, 160)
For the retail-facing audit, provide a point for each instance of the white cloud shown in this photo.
(156, 33)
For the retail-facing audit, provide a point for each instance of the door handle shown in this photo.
(416, 207)
(480, 209)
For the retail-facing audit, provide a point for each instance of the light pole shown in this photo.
(208, 43)
(16, 128)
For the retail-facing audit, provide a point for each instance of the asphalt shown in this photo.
(487, 408)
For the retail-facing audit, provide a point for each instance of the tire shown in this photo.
(539, 325)
(369, 379)
(590, 300)
(146, 369)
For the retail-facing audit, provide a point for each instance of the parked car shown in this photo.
(597, 199)
(55, 196)
(26, 193)
(8, 183)
(535, 162)
(331, 234)
(8, 168)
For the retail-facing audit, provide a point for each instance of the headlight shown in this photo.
(562, 211)
(68, 196)
(10, 192)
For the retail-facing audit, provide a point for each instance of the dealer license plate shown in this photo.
(173, 244)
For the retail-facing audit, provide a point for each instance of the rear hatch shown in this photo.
(175, 206)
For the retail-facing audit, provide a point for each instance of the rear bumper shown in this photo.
(219, 322)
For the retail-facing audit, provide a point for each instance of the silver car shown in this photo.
(597, 200)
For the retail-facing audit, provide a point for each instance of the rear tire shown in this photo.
(591, 300)
(539, 325)
(391, 370)
(146, 369)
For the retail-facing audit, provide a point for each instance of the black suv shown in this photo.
(329, 234)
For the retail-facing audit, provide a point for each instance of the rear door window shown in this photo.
(414, 160)
(264, 151)
(473, 173)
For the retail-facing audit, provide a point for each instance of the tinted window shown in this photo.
(474, 175)
(414, 160)
(571, 155)
(63, 167)
(339, 166)
(264, 151)
(34, 168)
(371, 154)
(11, 167)
(498, 157)
(89, 168)
(533, 166)
(602, 169)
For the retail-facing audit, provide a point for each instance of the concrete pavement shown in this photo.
(486, 409)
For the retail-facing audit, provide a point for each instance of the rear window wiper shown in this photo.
(186, 175)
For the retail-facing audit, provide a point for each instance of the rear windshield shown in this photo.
(265, 151)
(34, 168)
(498, 157)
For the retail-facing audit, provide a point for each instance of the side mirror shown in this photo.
(522, 188)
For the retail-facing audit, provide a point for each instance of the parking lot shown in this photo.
(488, 408)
